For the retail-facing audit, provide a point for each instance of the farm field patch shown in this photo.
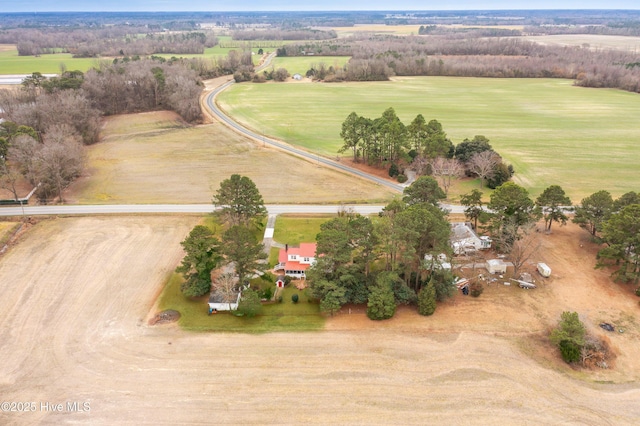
(153, 158)
(551, 131)
(593, 41)
(301, 64)
(99, 348)
(11, 63)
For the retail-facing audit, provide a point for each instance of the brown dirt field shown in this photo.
(77, 294)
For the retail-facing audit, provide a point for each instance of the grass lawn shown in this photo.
(550, 130)
(153, 158)
(296, 229)
(301, 64)
(285, 316)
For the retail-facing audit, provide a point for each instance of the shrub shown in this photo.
(294, 298)
(638, 291)
(249, 304)
(427, 299)
(475, 289)
(569, 328)
(279, 299)
(267, 293)
(382, 303)
(268, 277)
(402, 178)
(393, 170)
(570, 351)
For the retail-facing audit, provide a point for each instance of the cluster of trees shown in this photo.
(280, 74)
(387, 141)
(144, 85)
(380, 261)
(50, 162)
(241, 208)
(467, 55)
(616, 224)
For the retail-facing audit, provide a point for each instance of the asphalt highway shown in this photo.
(273, 209)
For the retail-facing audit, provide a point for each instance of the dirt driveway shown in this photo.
(76, 293)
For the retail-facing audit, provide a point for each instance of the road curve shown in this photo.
(273, 209)
(216, 112)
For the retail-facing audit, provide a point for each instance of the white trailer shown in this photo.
(544, 270)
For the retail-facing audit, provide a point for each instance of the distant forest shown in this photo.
(190, 20)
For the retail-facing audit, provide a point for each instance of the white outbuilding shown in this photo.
(496, 266)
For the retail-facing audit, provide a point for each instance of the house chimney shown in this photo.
(286, 247)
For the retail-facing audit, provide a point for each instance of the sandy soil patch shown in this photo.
(77, 293)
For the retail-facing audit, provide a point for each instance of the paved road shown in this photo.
(6, 79)
(216, 112)
(273, 209)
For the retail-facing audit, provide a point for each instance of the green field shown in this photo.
(301, 64)
(11, 63)
(551, 131)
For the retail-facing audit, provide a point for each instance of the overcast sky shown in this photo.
(254, 5)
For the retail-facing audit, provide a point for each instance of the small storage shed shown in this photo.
(544, 270)
(280, 281)
(496, 266)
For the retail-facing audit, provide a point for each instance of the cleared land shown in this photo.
(301, 64)
(550, 130)
(67, 337)
(593, 41)
(155, 158)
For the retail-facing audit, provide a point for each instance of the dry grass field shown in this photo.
(155, 158)
(593, 41)
(78, 292)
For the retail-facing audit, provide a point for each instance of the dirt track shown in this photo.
(76, 293)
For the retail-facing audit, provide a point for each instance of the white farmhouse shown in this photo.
(294, 261)
(465, 240)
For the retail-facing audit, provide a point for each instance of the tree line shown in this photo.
(107, 41)
(283, 34)
(378, 57)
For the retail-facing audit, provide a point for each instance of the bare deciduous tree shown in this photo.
(58, 161)
(22, 153)
(225, 287)
(9, 177)
(521, 243)
(446, 169)
(483, 164)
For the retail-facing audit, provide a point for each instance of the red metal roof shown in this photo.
(305, 250)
